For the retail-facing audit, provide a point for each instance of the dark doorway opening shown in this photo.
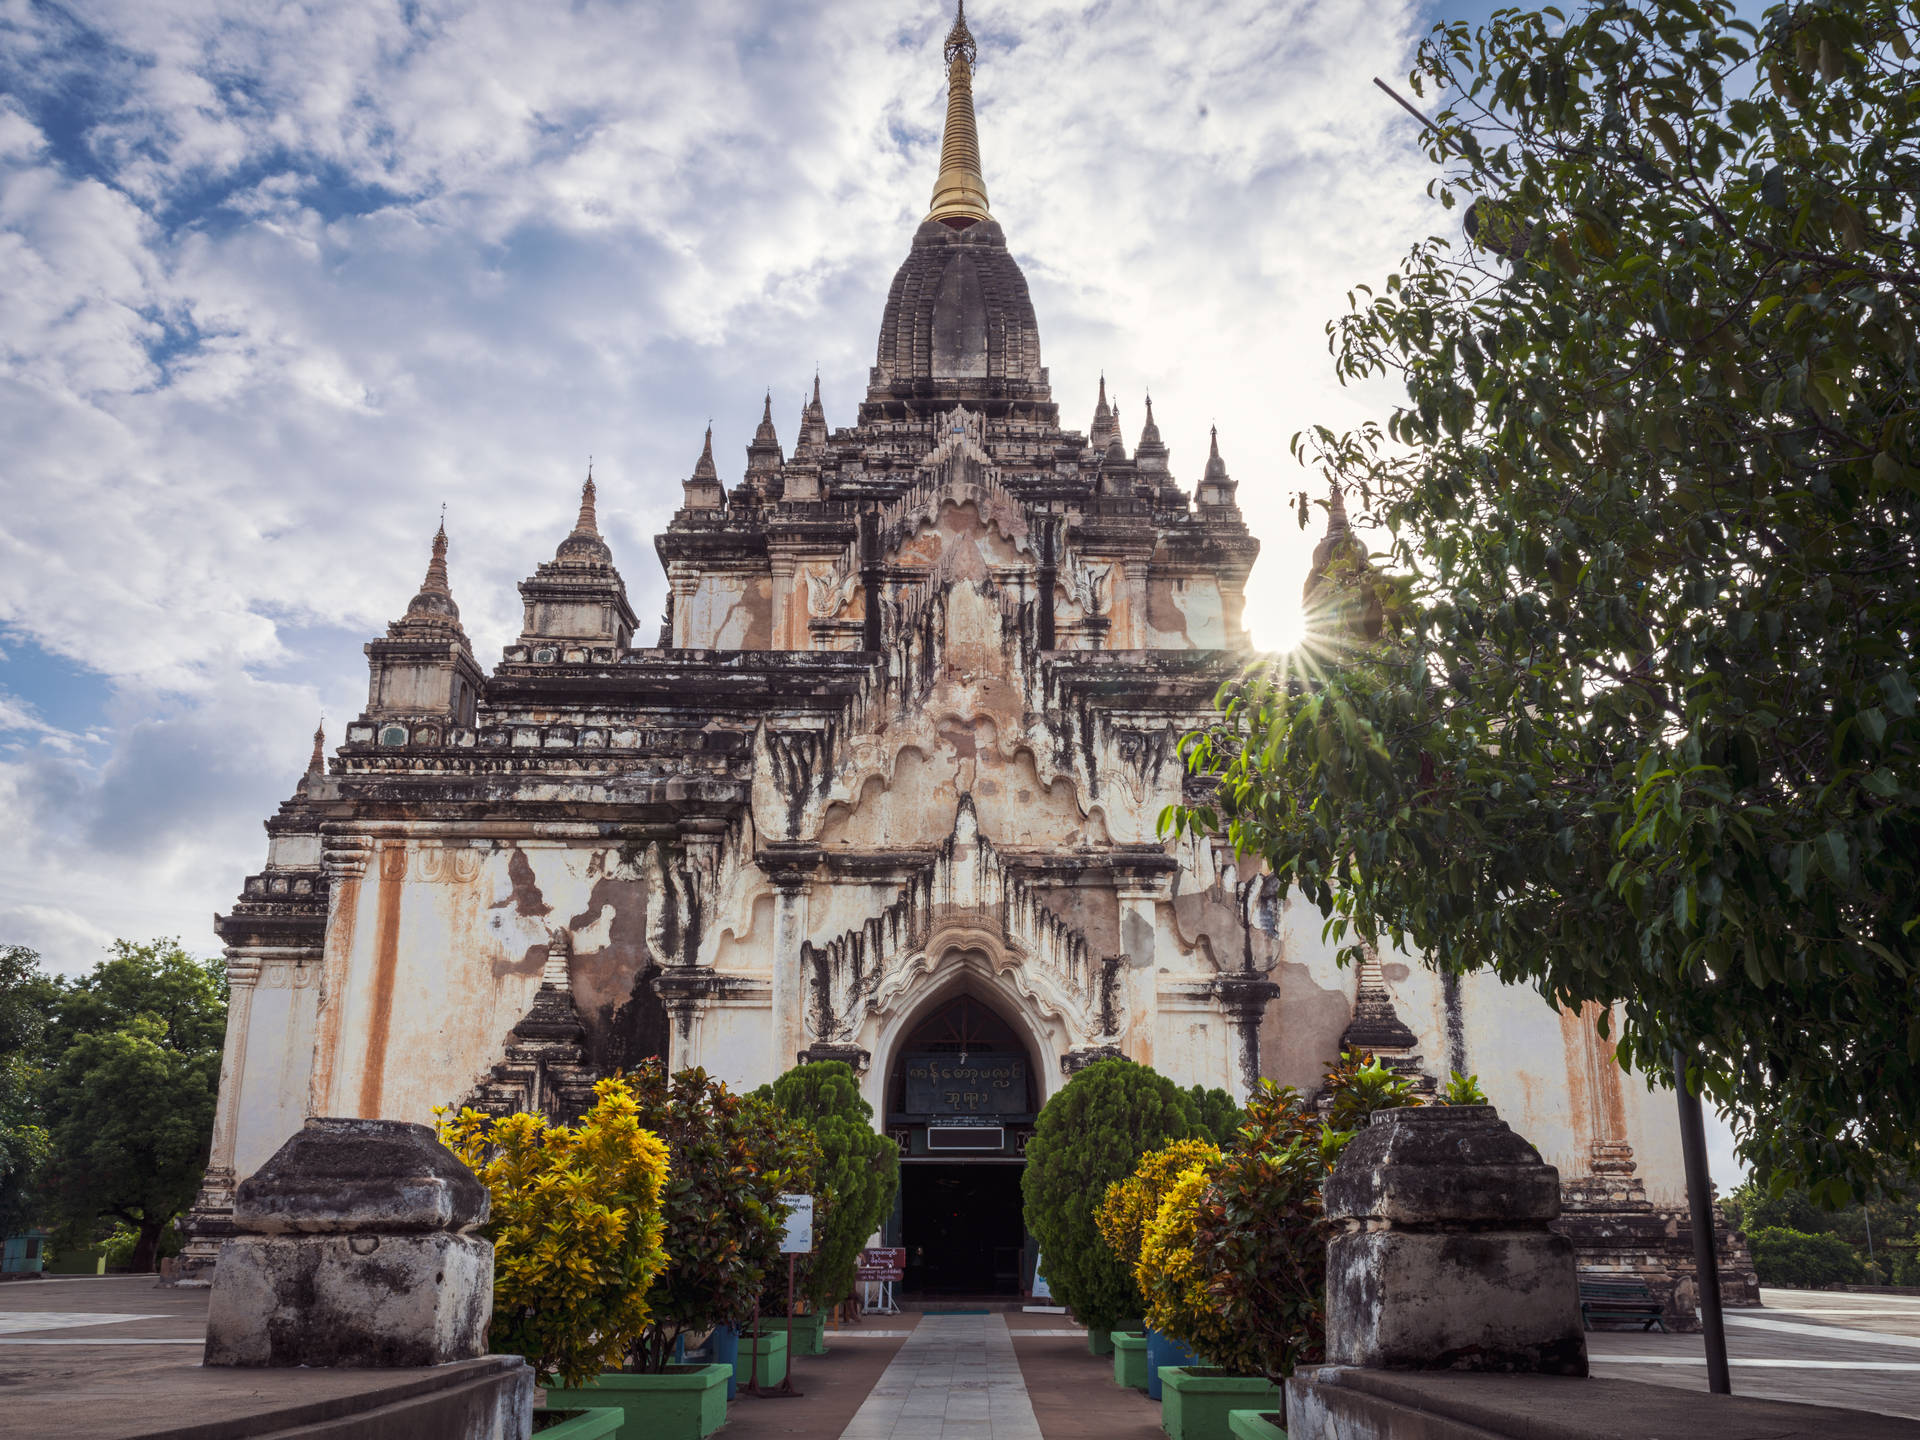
(961, 1225)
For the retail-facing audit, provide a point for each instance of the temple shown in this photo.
(882, 786)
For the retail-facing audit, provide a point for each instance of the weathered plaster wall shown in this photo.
(449, 940)
(272, 1102)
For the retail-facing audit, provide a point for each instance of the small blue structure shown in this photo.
(26, 1253)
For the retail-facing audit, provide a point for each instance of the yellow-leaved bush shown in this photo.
(1131, 1203)
(576, 1230)
(1174, 1274)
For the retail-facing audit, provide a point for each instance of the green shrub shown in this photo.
(731, 1157)
(1091, 1133)
(1258, 1232)
(1795, 1258)
(855, 1181)
(1215, 1113)
(576, 1226)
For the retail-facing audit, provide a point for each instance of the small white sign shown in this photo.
(798, 1239)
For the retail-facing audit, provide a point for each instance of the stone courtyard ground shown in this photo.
(117, 1357)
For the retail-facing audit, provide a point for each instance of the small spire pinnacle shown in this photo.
(436, 581)
(1337, 511)
(816, 387)
(432, 610)
(703, 467)
(588, 523)
(764, 453)
(960, 192)
(317, 762)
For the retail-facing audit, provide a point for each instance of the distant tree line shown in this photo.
(108, 1083)
(1797, 1243)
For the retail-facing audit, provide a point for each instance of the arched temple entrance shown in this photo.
(962, 1094)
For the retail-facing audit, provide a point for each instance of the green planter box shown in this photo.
(685, 1403)
(1129, 1359)
(1099, 1342)
(598, 1424)
(762, 1359)
(1195, 1402)
(1254, 1425)
(807, 1336)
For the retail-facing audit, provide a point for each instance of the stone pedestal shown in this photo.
(1444, 1260)
(351, 1251)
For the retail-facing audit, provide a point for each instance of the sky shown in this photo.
(279, 280)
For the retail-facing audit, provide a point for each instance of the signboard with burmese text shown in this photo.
(984, 1084)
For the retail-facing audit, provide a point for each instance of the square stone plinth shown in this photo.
(1474, 1300)
(350, 1300)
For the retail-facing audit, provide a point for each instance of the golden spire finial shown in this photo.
(960, 194)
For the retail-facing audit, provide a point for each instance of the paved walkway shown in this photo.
(1858, 1352)
(956, 1378)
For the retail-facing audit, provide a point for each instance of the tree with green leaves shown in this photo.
(730, 1158)
(856, 1179)
(132, 1077)
(1640, 724)
(1091, 1133)
(25, 995)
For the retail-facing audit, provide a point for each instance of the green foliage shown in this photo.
(731, 1158)
(856, 1179)
(1259, 1227)
(123, 1241)
(1215, 1113)
(1754, 1207)
(1359, 1085)
(576, 1227)
(159, 980)
(1795, 1258)
(130, 1119)
(1241, 1258)
(1462, 1090)
(25, 997)
(1880, 1232)
(24, 1144)
(1644, 726)
(1091, 1133)
(132, 1077)
(1175, 1270)
(1129, 1208)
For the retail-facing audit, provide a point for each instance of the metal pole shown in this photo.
(1706, 1261)
(786, 1382)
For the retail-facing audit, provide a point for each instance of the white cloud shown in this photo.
(278, 280)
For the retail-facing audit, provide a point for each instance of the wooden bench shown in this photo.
(1619, 1300)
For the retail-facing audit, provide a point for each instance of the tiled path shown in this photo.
(956, 1378)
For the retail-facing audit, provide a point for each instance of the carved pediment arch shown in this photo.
(966, 901)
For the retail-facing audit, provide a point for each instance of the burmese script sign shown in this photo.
(882, 1264)
(988, 1084)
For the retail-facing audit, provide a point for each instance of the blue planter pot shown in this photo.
(1164, 1351)
(721, 1347)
